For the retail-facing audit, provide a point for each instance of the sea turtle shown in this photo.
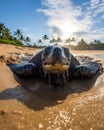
(55, 63)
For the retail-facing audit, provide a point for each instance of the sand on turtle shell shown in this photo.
(31, 105)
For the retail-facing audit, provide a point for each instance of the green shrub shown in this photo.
(17, 43)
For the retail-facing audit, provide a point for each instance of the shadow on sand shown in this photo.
(36, 94)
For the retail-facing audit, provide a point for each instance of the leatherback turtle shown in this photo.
(57, 64)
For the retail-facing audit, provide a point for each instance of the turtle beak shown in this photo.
(56, 68)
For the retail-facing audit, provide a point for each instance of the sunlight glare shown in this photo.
(68, 29)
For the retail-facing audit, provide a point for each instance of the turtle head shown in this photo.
(56, 59)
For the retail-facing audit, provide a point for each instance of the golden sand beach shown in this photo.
(80, 106)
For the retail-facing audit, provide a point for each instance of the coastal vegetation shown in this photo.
(18, 39)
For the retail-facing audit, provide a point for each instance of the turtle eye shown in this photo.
(66, 52)
(46, 52)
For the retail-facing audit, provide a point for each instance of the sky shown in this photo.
(63, 18)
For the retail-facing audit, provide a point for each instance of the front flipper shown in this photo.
(25, 71)
(86, 70)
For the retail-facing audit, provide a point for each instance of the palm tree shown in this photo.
(34, 45)
(52, 41)
(58, 39)
(68, 40)
(95, 41)
(39, 41)
(73, 39)
(18, 33)
(6, 33)
(2, 27)
(45, 37)
(27, 39)
(21, 38)
(82, 44)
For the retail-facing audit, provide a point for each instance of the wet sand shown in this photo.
(31, 105)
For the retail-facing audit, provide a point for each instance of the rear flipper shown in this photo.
(86, 70)
(25, 71)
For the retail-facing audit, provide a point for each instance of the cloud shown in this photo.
(58, 16)
(96, 7)
(66, 19)
(56, 31)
